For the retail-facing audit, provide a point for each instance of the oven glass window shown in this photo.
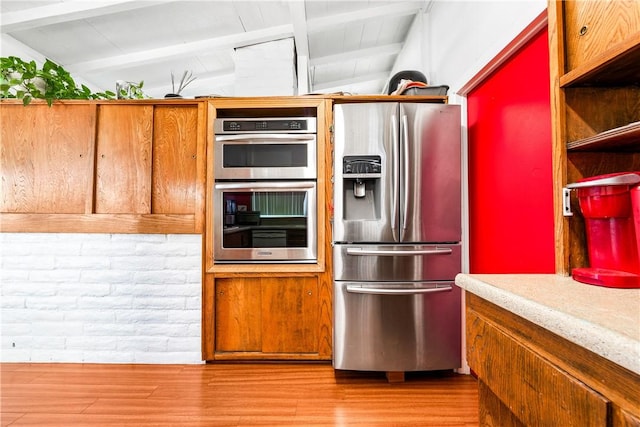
(264, 155)
(265, 219)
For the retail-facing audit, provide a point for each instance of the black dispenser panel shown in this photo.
(361, 165)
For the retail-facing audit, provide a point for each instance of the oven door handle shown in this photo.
(250, 186)
(391, 252)
(260, 138)
(394, 291)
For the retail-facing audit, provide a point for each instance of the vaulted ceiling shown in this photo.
(348, 46)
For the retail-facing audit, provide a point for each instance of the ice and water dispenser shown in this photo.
(362, 186)
(610, 205)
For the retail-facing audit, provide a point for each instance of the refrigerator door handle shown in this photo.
(390, 291)
(404, 138)
(395, 205)
(391, 252)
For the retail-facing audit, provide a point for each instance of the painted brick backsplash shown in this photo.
(100, 298)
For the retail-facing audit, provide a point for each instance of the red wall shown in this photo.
(510, 177)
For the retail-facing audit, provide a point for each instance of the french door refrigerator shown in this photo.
(397, 236)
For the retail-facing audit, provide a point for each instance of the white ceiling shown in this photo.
(348, 46)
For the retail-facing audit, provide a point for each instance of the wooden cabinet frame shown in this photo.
(543, 377)
(89, 205)
(275, 279)
(594, 53)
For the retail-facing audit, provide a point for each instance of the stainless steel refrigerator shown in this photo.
(397, 236)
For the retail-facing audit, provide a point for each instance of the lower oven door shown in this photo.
(397, 326)
(275, 222)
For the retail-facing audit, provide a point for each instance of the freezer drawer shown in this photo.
(362, 262)
(397, 326)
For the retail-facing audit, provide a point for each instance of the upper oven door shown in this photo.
(265, 156)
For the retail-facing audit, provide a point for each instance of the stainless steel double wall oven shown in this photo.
(265, 191)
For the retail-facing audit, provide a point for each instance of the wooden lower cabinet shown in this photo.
(528, 376)
(535, 391)
(268, 318)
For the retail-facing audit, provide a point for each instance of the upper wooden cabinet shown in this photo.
(125, 166)
(594, 51)
(123, 161)
(47, 158)
(175, 160)
(593, 28)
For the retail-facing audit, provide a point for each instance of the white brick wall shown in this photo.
(103, 298)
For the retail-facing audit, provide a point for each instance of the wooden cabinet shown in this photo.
(270, 311)
(534, 390)
(269, 315)
(175, 172)
(47, 158)
(595, 78)
(123, 162)
(530, 376)
(147, 159)
(120, 167)
(594, 28)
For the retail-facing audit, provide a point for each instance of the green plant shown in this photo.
(129, 90)
(24, 80)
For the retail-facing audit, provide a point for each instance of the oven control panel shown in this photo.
(264, 125)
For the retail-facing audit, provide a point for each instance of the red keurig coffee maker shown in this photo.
(610, 205)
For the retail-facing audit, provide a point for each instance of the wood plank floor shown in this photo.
(242, 394)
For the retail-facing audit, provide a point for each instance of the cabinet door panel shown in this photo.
(238, 314)
(47, 158)
(175, 140)
(123, 164)
(593, 27)
(494, 413)
(290, 315)
(537, 392)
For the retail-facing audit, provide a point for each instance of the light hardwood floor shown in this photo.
(242, 394)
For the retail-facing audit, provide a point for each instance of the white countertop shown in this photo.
(603, 320)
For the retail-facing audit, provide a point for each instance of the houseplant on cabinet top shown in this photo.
(187, 77)
(23, 80)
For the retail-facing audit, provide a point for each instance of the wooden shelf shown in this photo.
(622, 138)
(614, 67)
